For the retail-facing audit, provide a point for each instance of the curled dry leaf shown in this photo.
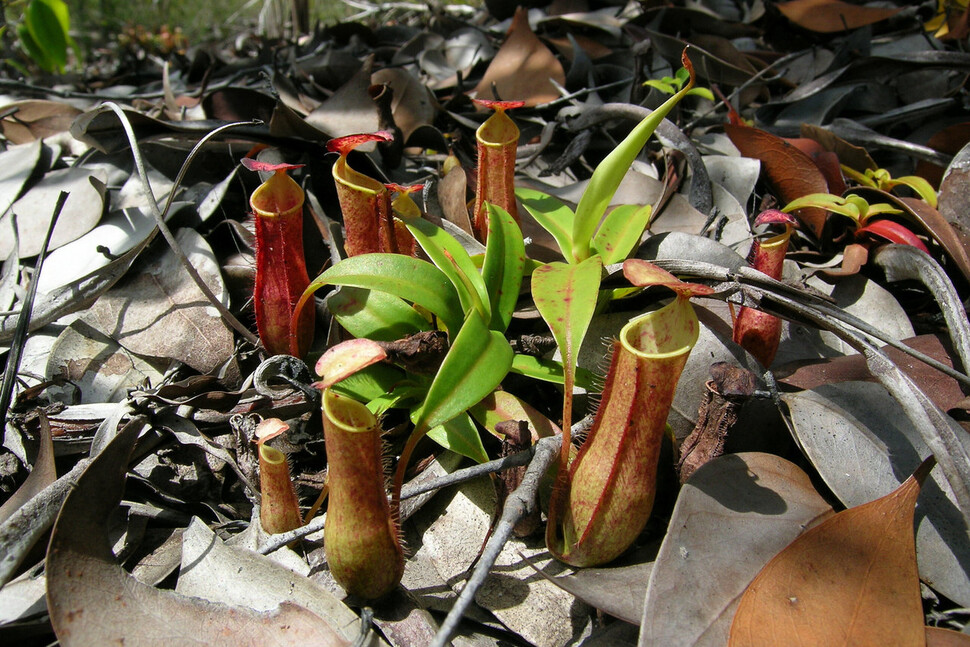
(851, 580)
(93, 601)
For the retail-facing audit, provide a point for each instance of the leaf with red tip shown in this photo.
(498, 105)
(257, 165)
(643, 274)
(346, 358)
(893, 232)
(774, 216)
(344, 145)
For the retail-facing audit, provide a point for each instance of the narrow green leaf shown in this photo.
(46, 28)
(549, 370)
(566, 296)
(476, 363)
(369, 383)
(503, 266)
(461, 436)
(374, 314)
(610, 172)
(552, 215)
(33, 50)
(409, 278)
(452, 259)
(620, 232)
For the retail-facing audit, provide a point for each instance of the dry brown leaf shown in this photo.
(830, 16)
(413, 105)
(35, 208)
(943, 390)
(35, 119)
(159, 311)
(42, 474)
(522, 68)
(93, 601)
(790, 172)
(940, 637)
(851, 580)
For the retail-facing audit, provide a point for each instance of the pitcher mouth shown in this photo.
(347, 414)
(640, 336)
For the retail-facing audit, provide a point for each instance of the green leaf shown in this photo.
(44, 19)
(552, 215)
(452, 259)
(609, 173)
(402, 397)
(620, 232)
(501, 406)
(33, 50)
(409, 278)
(369, 383)
(549, 370)
(666, 88)
(566, 296)
(461, 436)
(476, 363)
(503, 266)
(374, 314)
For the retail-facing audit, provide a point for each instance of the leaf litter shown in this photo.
(122, 336)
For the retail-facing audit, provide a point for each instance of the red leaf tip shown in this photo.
(400, 188)
(257, 165)
(774, 216)
(344, 145)
(498, 105)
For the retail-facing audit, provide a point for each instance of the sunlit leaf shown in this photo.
(620, 232)
(461, 436)
(851, 580)
(409, 278)
(554, 216)
(503, 266)
(566, 296)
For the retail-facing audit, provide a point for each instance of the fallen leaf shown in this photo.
(851, 580)
(36, 119)
(42, 473)
(732, 516)
(830, 16)
(940, 637)
(943, 390)
(790, 172)
(413, 105)
(218, 572)
(93, 601)
(98, 368)
(158, 310)
(17, 164)
(522, 68)
(34, 210)
(860, 440)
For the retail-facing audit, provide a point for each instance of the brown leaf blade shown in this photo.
(93, 601)
(522, 68)
(830, 16)
(790, 172)
(851, 580)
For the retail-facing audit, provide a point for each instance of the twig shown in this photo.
(23, 322)
(517, 505)
(275, 542)
(227, 316)
(931, 423)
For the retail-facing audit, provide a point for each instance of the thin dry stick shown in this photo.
(227, 316)
(275, 542)
(517, 505)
